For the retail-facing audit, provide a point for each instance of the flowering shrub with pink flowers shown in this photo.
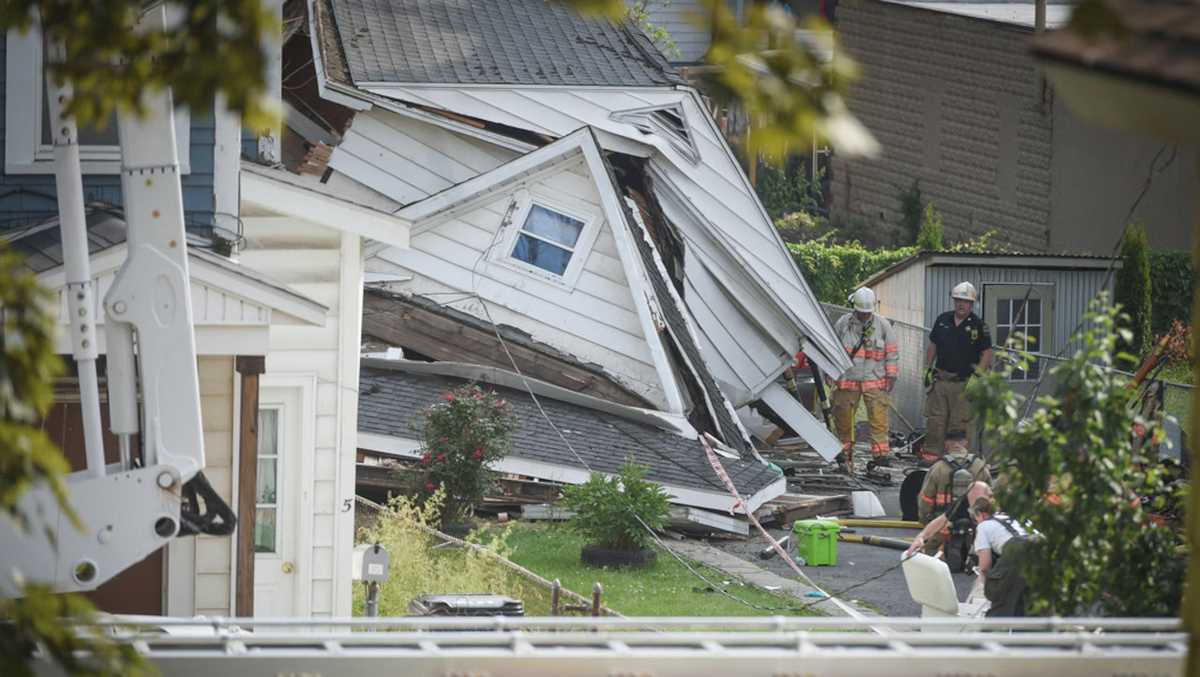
(465, 431)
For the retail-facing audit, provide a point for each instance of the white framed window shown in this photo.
(549, 237)
(27, 146)
(266, 495)
(1020, 314)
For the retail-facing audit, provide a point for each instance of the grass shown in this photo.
(665, 588)
(1178, 401)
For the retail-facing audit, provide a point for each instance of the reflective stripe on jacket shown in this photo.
(874, 359)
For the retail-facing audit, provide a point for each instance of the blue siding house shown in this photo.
(27, 192)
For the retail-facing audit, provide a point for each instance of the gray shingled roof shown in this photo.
(530, 42)
(390, 403)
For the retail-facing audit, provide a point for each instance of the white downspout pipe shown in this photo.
(81, 303)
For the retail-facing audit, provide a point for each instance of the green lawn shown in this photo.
(665, 588)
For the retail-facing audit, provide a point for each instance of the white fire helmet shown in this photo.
(863, 300)
(964, 291)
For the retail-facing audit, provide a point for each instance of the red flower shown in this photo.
(430, 487)
(478, 454)
(425, 459)
(441, 458)
(449, 397)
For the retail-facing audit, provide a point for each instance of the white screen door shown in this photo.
(275, 528)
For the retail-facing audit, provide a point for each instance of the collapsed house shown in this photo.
(576, 215)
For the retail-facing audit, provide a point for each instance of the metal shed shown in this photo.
(1043, 297)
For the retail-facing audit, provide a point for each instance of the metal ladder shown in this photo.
(745, 647)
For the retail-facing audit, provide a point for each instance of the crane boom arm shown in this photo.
(128, 511)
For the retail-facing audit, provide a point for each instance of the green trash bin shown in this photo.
(816, 541)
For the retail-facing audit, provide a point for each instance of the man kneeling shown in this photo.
(1001, 544)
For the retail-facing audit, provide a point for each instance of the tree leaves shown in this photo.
(110, 64)
(1075, 470)
(768, 63)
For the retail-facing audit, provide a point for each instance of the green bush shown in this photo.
(1133, 292)
(1072, 471)
(1171, 289)
(835, 270)
(416, 565)
(607, 509)
(469, 429)
(930, 239)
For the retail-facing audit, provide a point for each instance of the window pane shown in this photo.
(1020, 311)
(1034, 339)
(553, 226)
(1001, 335)
(268, 480)
(268, 432)
(264, 530)
(1002, 311)
(542, 254)
(1035, 312)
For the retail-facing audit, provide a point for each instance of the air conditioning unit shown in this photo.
(470, 604)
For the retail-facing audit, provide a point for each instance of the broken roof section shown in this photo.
(719, 214)
(392, 395)
(719, 308)
(490, 42)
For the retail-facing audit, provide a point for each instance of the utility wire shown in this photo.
(1112, 261)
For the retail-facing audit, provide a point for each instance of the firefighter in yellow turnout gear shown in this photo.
(871, 345)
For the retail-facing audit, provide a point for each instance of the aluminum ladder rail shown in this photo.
(747, 647)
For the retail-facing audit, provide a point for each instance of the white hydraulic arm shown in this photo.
(129, 509)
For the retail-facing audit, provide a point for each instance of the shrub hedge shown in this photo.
(833, 270)
(1171, 288)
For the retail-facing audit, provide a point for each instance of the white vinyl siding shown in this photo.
(715, 186)
(407, 159)
(594, 319)
(213, 554)
(308, 257)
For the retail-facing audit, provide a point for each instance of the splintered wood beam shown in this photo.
(442, 338)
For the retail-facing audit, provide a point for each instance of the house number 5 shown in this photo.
(346, 504)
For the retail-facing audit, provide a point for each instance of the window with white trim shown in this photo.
(266, 494)
(1020, 320)
(27, 145)
(549, 238)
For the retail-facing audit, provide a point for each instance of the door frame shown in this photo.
(304, 385)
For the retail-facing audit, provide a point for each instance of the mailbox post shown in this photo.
(371, 567)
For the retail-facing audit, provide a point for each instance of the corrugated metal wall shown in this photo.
(1073, 290)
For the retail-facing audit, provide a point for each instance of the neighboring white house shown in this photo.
(564, 181)
(278, 323)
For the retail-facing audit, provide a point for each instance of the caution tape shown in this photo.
(740, 503)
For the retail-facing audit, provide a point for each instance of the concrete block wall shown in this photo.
(957, 104)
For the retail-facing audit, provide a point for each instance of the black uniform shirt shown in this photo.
(959, 347)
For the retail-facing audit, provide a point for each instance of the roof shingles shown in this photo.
(528, 42)
(391, 402)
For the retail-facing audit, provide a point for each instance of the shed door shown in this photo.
(1024, 314)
